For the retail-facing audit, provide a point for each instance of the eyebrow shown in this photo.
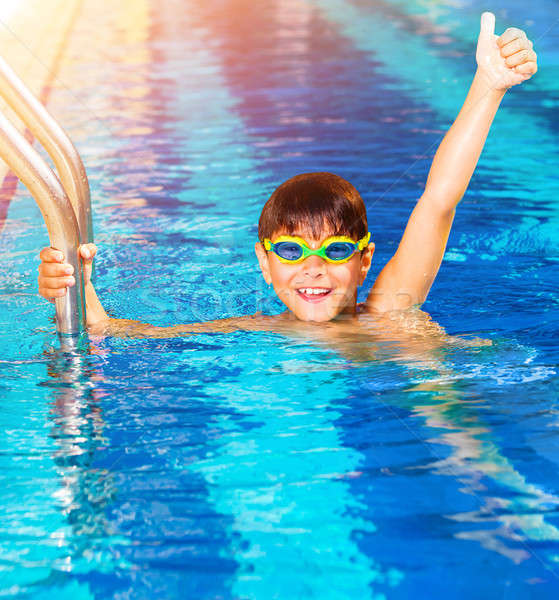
(306, 238)
(308, 235)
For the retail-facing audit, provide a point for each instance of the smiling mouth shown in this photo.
(314, 294)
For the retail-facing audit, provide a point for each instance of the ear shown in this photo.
(262, 256)
(366, 260)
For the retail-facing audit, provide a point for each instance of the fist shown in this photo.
(504, 60)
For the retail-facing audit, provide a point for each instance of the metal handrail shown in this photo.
(58, 214)
(55, 141)
(65, 203)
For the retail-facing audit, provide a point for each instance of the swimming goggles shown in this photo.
(338, 249)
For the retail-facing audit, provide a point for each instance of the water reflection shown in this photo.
(85, 490)
(511, 509)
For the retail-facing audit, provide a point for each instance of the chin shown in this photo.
(321, 315)
(317, 312)
(315, 318)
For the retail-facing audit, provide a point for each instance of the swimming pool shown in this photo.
(250, 465)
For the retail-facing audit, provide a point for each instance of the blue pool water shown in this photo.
(251, 465)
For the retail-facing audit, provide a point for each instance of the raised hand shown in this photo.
(504, 60)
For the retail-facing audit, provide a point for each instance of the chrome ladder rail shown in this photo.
(65, 202)
(56, 142)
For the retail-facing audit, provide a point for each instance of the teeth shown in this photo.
(314, 290)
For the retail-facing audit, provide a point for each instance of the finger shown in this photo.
(512, 33)
(50, 294)
(515, 46)
(49, 254)
(487, 28)
(527, 68)
(55, 269)
(521, 57)
(55, 283)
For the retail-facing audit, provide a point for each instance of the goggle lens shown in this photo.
(289, 250)
(339, 250)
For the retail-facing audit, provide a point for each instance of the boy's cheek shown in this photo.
(286, 295)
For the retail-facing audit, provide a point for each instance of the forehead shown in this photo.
(316, 228)
(311, 241)
(306, 233)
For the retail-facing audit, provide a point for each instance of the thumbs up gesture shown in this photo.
(504, 60)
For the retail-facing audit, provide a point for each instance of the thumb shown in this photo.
(487, 29)
(88, 251)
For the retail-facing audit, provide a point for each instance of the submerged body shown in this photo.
(402, 335)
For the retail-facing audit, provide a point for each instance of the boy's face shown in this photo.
(314, 289)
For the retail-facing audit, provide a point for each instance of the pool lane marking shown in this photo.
(227, 495)
(285, 479)
(16, 45)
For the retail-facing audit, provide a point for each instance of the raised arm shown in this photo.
(502, 62)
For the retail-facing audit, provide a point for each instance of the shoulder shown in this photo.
(410, 319)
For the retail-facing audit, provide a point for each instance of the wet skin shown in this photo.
(315, 289)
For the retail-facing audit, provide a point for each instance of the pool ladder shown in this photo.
(63, 199)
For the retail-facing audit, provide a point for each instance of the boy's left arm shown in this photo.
(502, 62)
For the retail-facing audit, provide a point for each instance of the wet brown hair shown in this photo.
(317, 203)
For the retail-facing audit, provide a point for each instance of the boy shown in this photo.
(314, 246)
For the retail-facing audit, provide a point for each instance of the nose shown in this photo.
(314, 266)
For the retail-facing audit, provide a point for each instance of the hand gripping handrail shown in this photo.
(65, 206)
